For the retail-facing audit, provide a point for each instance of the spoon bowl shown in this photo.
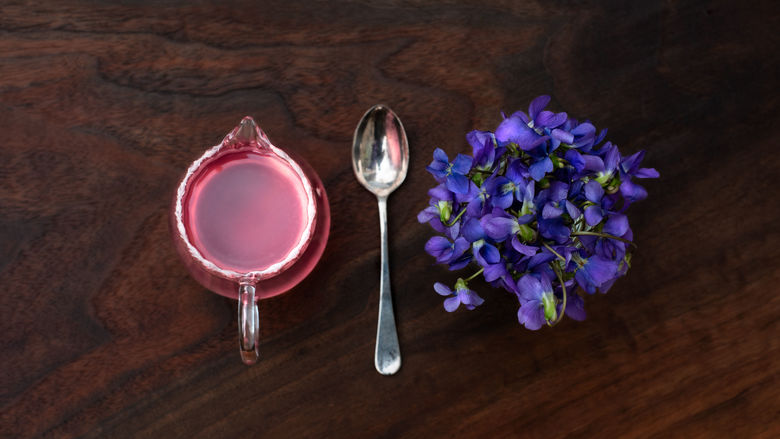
(380, 151)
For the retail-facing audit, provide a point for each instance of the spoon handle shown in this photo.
(387, 356)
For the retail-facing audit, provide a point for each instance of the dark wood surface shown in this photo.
(104, 334)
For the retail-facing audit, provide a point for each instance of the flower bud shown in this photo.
(445, 210)
(550, 311)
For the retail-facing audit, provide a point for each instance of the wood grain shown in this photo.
(102, 107)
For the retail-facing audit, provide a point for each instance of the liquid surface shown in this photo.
(245, 211)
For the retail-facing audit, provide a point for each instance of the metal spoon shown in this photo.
(380, 158)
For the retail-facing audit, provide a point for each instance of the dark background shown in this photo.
(104, 334)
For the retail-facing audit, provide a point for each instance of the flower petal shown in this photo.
(540, 168)
(516, 172)
(460, 262)
(427, 214)
(438, 174)
(440, 192)
(490, 254)
(514, 130)
(458, 183)
(442, 289)
(551, 211)
(593, 163)
(600, 269)
(530, 288)
(542, 257)
(584, 129)
(554, 229)
(531, 315)
(472, 230)
(584, 281)
(451, 304)
(502, 192)
(436, 245)
(575, 159)
(647, 173)
(558, 190)
(562, 135)
(498, 228)
(510, 129)
(478, 140)
(616, 225)
(593, 191)
(495, 271)
(612, 157)
(572, 210)
(544, 281)
(462, 164)
(475, 300)
(630, 164)
(549, 119)
(521, 248)
(632, 192)
(440, 156)
(575, 307)
(460, 246)
(537, 105)
(593, 215)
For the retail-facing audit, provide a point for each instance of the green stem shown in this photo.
(474, 275)
(452, 223)
(557, 271)
(553, 251)
(604, 235)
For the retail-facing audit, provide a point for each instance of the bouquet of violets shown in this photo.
(539, 208)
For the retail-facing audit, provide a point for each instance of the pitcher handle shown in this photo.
(248, 323)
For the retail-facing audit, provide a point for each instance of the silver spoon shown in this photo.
(380, 158)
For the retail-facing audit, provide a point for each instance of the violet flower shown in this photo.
(461, 295)
(454, 174)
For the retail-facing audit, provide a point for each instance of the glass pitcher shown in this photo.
(250, 222)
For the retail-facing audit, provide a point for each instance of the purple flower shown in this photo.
(514, 186)
(478, 198)
(439, 209)
(496, 271)
(454, 174)
(483, 144)
(484, 252)
(554, 201)
(444, 250)
(518, 129)
(541, 162)
(594, 193)
(629, 167)
(499, 225)
(555, 229)
(461, 295)
(537, 301)
(540, 118)
(609, 248)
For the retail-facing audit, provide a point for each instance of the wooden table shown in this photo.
(104, 333)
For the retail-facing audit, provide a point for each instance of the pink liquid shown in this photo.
(245, 211)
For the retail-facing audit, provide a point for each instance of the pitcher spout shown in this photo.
(247, 133)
